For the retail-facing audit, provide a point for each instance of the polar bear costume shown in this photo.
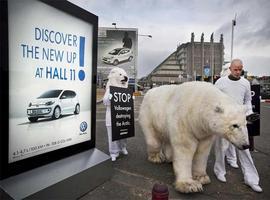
(118, 78)
(179, 123)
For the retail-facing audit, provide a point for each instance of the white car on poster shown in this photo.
(118, 55)
(53, 104)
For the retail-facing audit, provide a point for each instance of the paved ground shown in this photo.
(100, 94)
(134, 176)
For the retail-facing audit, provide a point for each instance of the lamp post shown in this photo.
(135, 68)
(114, 24)
(233, 24)
(150, 36)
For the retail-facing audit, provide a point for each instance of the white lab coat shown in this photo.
(240, 91)
(114, 146)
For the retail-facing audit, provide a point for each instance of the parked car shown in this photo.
(265, 95)
(118, 55)
(53, 104)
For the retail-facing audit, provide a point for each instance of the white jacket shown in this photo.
(239, 90)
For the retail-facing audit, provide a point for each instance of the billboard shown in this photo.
(51, 74)
(117, 47)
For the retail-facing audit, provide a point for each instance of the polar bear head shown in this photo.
(229, 122)
(118, 78)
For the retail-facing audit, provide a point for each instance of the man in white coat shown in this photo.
(230, 152)
(239, 89)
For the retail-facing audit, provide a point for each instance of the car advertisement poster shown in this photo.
(122, 113)
(117, 47)
(50, 60)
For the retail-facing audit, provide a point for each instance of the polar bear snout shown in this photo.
(245, 147)
(239, 139)
(125, 79)
(241, 146)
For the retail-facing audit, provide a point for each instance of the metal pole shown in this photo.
(136, 63)
(136, 57)
(233, 24)
(135, 79)
(232, 41)
(145, 35)
(212, 63)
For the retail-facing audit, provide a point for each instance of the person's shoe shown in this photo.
(114, 156)
(254, 187)
(221, 178)
(124, 151)
(234, 165)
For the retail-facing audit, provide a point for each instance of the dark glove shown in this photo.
(253, 117)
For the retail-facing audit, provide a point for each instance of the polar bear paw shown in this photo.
(188, 186)
(203, 179)
(156, 157)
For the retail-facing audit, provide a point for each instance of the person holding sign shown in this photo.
(118, 78)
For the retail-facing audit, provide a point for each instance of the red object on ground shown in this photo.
(160, 192)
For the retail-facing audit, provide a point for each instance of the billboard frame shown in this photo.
(9, 169)
(104, 68)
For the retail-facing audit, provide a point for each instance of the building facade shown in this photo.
(201, 60)
(166, 72)
(191, 61)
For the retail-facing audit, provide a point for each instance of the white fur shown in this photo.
(116, 77)
(179, 123)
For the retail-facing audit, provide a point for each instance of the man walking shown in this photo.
(239, 89)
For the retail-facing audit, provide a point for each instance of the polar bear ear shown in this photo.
(111, 73)
(218, 109)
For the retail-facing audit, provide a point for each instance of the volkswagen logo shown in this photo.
(83, 126)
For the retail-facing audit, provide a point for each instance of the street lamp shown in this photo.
(135, 67)
(114, 24)
(233, 24)
(145, 35)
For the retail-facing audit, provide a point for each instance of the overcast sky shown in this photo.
(171, 23)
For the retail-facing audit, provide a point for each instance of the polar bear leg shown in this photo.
(200, 161)
(183, 152)
(167, 149)
(154, 151)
